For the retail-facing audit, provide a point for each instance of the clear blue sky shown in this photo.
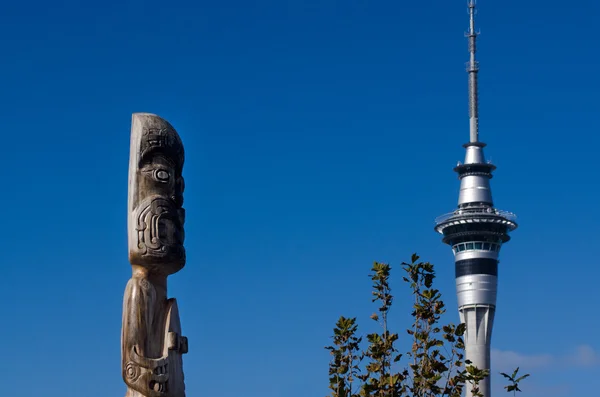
(320, 136)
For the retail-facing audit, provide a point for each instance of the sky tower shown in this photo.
(476, 231)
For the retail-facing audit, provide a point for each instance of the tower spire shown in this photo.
(473, 69)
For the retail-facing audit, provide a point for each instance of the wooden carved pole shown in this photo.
(151, 340)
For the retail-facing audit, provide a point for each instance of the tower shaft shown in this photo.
(479, 321)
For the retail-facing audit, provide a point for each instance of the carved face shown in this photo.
(146, 375)
(156, 216)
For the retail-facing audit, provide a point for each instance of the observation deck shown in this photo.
(476, 216)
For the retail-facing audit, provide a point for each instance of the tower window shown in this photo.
(476, 245)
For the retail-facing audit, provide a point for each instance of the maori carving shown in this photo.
(151, 341)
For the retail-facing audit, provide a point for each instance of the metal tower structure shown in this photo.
(476, 231)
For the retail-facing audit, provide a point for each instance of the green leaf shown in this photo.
(515, 373)
(521, 378)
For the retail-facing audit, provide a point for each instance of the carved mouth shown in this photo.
(159, 383)
(160, 227)
(167, 229)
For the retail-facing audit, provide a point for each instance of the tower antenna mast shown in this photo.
(473, 69)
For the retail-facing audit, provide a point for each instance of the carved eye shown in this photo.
(161, 175)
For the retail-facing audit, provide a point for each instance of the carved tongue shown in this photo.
(155, 386)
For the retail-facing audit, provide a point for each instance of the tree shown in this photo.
(434, 366)
(514, 386)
